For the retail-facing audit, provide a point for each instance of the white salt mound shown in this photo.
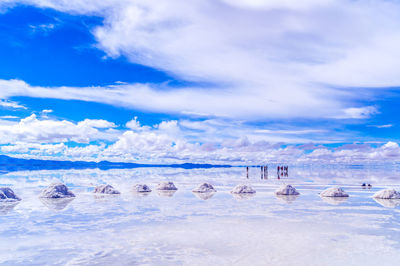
(204, 188)
(242, 189)
(56, 191)
(166, 186)
(387, 194)
(141, 188)
(106, 189)
(334, 192)
(286, 190)
(8, 195)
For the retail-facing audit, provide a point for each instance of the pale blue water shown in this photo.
(184, 229)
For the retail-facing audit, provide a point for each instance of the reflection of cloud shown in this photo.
(388, 203)
(334, 200)
(6, 207)
(166, 193)
(56, 204)
(204, 195)
(287, 198)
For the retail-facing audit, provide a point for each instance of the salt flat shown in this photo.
(183, 229)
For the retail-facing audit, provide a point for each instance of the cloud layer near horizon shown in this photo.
(167, 142)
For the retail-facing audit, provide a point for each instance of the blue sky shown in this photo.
(218, 81)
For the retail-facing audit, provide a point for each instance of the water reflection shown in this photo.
(102, 197)
(166, 193)
(388, 203)
(140, 194)
(204, 196)
(56, 204)
(287, 198)
(6, 207)
(176, 231)
(243, 196)
(334, 200)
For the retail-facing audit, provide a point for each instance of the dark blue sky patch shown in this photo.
(47, 48)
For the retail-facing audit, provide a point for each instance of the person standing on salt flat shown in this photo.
(262, 171)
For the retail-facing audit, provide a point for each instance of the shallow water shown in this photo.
(184, 228)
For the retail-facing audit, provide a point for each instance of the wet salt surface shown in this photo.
(184, 229)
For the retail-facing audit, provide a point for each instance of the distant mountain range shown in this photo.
(10, 164)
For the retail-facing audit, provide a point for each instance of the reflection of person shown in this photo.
(247, 171)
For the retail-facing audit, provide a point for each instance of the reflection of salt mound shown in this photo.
(166, 193)
(204, 188)
(204, 195)
(141, 188)
(286, 190)
(387, 194)
(6, 207)
(243, 196)
(334, 200)
(287, 198)
(333, 192)
(8, 195)
(166, 186)
(388, 203)
(56, 191)
(56, 204)
(106, 189)
(243, 189)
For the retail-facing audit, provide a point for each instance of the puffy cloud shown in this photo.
(172, 142)
(34, 130)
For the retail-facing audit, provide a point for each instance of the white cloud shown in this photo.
(264, 58)
(11, 104)
(174, 142)
(134, 125)
(43, 28)
(382, 126)
(360, 112)
(34, 130)
(9, 117)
